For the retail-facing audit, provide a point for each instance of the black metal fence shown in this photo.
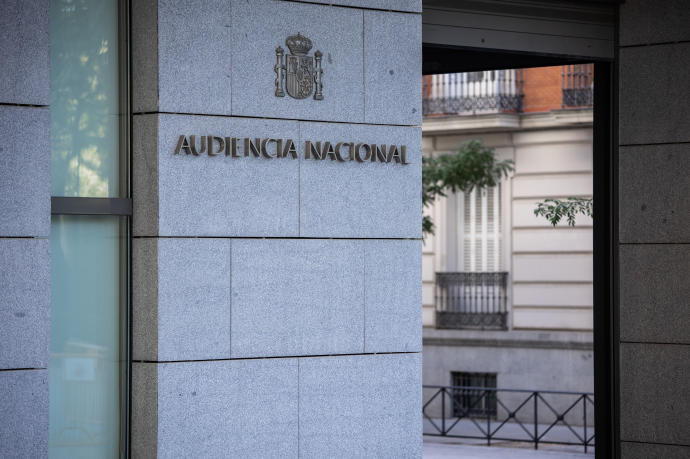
(469, 93)
(577, 83)
(554, 417)
(471, 300)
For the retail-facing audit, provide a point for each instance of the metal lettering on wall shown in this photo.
(300, 72)
(237, 147)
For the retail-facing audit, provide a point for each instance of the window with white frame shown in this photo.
(480, 235)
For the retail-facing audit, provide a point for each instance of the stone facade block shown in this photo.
(189, 69)
(654, 91)
(213, 196)
(360, 406)
(653, 199)
(297, 297)
(630, 450)
(654, 293)
(25, 53)
(239, 408)
(414, 6)
(646, 21)
(361, 200)
(336, 32)
(24, 408)
(392, 68)
(393, 293)
(654, 393)
(24, 303)
(181, 299)
(24, 171)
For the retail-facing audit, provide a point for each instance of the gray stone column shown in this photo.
(24, 228)
(654, 229)
(276, 302)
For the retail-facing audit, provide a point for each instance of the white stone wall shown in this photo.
(550, 269)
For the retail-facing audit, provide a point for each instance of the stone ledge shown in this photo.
(512, 339)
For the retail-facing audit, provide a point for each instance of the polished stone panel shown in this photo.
(144, 423)
(191, 311)
(654, 393)
(653, 200)
(145, 299)
(360, 406)
(654, 92)
(393, 293)
(654, 293)
(144, 54)
(24, 171)
(414, 6)
(191, 71)
(145, 175)
(237, 408)
(25, 52)
(24, 408)
(336, 32)
(24, 303)
(649, 21)
(361, 200)
(219, 195)
(630, 450)
(297, 297)
(193, 299)
(393, 68)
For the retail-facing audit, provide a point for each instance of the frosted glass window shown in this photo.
(84, 105)
(85, 322)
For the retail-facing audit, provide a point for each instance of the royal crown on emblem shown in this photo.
(300, 73)
(298, 44)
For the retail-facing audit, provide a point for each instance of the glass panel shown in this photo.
(84, 97)
(85, 337)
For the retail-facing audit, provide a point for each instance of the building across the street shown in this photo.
(507, 298)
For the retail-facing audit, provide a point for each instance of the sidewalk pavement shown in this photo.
(445, 450)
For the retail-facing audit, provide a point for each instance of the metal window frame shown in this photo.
(117, 207)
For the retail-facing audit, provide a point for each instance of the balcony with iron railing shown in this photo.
(508, 91)
(472, 300)
(471, 93)
(577, 85)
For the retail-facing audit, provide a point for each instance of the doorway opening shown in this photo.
(504, 292)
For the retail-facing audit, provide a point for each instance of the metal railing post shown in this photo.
(536, 423)
(443, 411)
(584, 419)
(488, 418)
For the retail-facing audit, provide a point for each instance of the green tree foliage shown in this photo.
(471, 166)
(554, 210)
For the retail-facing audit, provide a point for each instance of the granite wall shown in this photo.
(24, 227)
(275, 300)
(654, 139)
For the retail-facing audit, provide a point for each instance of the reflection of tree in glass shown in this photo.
(84, 98)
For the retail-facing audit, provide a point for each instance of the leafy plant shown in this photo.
(554, 210)
(472, 166)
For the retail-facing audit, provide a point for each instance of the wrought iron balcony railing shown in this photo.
(472, 300)
(537, 417)
(470, 93)
(577, 83)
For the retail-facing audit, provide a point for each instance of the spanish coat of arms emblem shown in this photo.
(300, 73)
